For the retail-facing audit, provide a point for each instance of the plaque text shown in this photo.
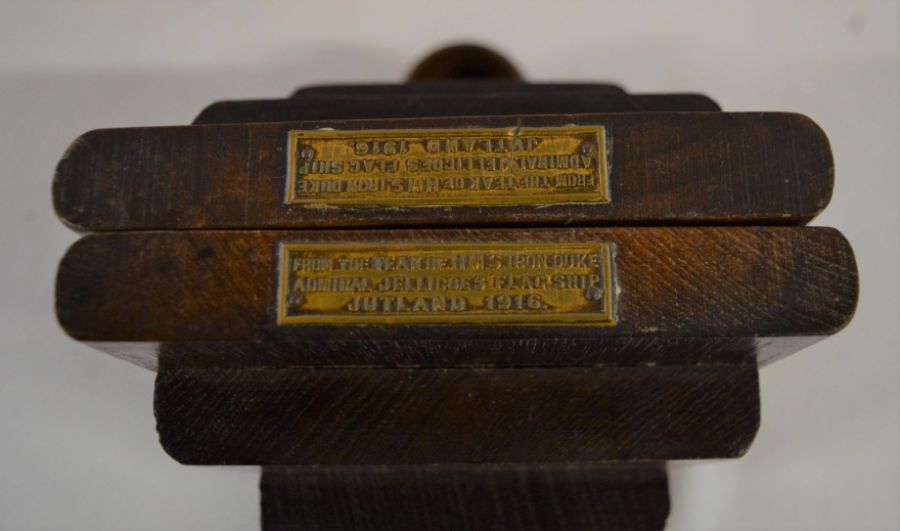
(446, 167)
(480, 283)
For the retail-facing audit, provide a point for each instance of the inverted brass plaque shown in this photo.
(480, 283)
(446, 167)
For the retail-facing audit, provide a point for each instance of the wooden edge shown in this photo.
(291, 416)
(514, 497)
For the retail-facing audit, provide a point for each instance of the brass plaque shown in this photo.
(447, 283)
(446, 167)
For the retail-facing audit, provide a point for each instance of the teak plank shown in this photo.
(677, 168)
(678, 296)
(514, 498)
(346, 416)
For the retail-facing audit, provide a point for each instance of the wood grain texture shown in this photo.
(514, 498)
(336, 102)
(677, 168)
(344, 416)
(685, 296)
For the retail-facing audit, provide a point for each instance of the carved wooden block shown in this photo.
(638, 168)
(504, 297)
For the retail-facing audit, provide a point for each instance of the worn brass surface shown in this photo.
(441, 167)
(481, 283)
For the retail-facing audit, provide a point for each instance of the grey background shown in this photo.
(78, 448)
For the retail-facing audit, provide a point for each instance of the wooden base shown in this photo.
(358, 416)
(515, 497)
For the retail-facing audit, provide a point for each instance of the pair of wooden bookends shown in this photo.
(466, 304)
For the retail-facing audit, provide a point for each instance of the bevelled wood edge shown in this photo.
(294, 416)
(427, 102)
(483, 497)
(680, 102)
(454, 88)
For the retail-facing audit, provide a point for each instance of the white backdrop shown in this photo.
(78, 448)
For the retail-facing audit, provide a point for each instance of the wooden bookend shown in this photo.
(455, 305)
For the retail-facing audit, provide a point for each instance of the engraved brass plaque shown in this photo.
(447, 283)
(446, 167)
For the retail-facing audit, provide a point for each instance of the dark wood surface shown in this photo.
(685, 296)
(462, 62)
(475, 498)
(677, 168)
(346, 416)
(342, 102)
(458, 87)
